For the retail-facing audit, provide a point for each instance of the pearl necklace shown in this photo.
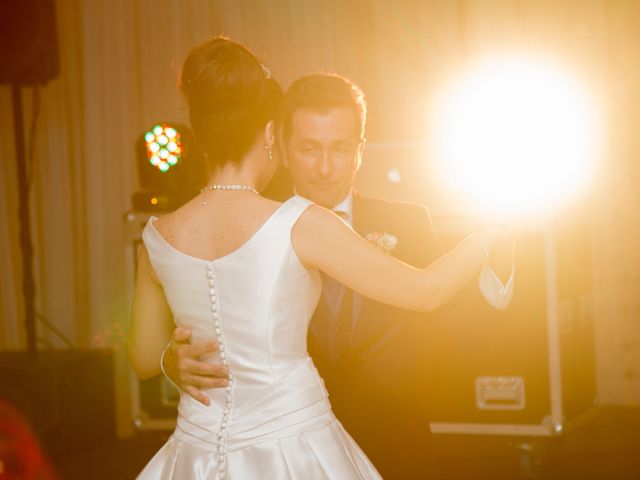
(217, 186)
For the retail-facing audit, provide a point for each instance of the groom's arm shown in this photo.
(182, 365)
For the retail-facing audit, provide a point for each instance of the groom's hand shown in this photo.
(182, 364)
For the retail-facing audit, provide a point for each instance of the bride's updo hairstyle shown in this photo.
(231, 97)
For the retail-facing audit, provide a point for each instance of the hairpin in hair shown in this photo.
(265, 69)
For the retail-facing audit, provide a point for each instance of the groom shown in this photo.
(367, 352)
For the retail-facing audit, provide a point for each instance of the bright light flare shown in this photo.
(516, 136)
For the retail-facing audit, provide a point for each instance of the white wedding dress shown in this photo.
(274, 421)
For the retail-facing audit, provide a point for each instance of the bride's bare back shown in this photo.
(221, 226)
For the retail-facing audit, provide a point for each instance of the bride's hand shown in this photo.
(503, 239)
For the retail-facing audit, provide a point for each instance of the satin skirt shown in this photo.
(285, 431)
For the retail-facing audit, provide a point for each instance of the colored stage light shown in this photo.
(163, 145)
(516, 136)
(171, 167)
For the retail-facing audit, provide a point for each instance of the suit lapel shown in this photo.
(333, 293)
(361, 220)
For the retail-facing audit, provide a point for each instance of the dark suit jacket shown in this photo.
(373, 385)
(373, 378)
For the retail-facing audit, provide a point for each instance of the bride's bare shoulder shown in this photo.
(316, 222)
(170, 219)
(314, 216)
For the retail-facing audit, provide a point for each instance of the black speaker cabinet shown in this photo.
(67, 396)
(28, 42)
(527, 371)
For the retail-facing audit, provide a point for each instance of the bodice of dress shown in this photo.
(257, 302)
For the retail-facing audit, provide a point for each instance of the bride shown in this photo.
(242, 270)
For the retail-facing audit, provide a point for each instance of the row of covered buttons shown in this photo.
(224, 421)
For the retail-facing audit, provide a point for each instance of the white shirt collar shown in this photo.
(346, 206)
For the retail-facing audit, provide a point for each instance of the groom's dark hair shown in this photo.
(322, 92)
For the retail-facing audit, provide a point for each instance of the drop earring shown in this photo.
(269, 149)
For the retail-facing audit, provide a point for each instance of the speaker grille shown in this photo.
(28, 42)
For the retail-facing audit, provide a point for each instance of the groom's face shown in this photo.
(323, 154)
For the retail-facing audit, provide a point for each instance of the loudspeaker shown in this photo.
(528, 370)
(28, 42)
(67, 396)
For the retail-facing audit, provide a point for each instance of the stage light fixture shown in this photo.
(164, 146)
(516, 136)
(171, 167)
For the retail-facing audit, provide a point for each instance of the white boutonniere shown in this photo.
(384, 241)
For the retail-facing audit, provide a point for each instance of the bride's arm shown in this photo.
(151, 321)
(321, 240)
